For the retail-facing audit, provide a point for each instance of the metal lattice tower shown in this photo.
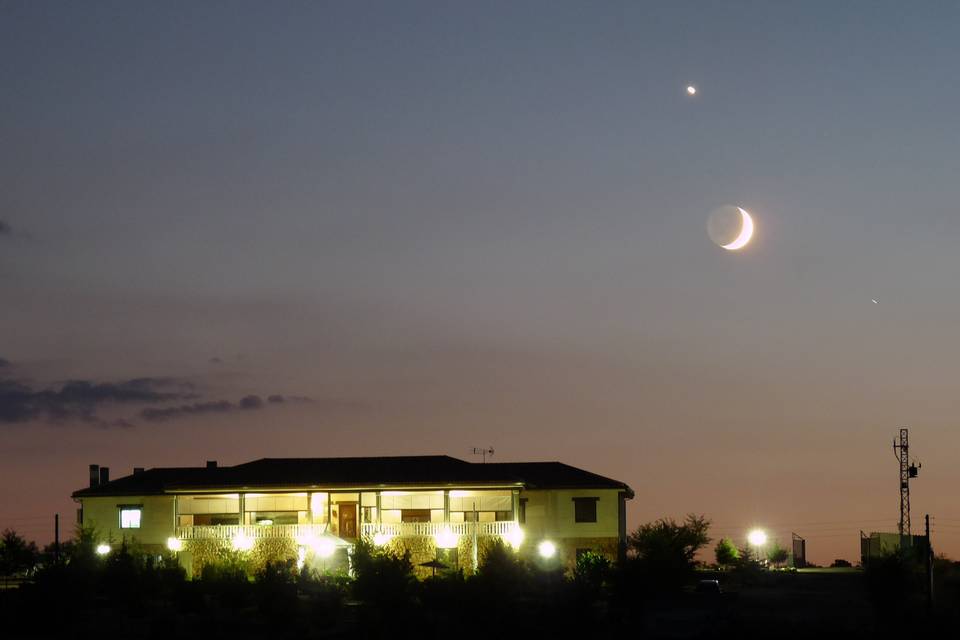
(901, 450)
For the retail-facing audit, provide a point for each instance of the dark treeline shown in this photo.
(129, 593)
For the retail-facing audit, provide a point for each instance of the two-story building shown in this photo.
(315, 509)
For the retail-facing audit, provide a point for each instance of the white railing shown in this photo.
(230, 531)
(255, 531)
(500, 528)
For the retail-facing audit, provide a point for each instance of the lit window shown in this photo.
(585, 509)
(130, 517)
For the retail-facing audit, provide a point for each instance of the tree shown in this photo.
(592, 571)
(17, 556)
(777, 554)
(726, 552)
(664, 550)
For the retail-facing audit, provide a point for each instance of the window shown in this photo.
(130, 517)
(415, 515)
(585, 509)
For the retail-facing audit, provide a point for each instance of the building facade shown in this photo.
(316, 509)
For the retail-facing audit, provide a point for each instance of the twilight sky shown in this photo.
(430, 227)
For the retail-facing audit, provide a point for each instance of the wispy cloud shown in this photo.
(246, 403)
(79, 400)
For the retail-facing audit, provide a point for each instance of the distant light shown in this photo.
(174, 544)
(324, 548)
(265, 522)
(301, 558)
(691, 90)
(515, 536)
(241, 542)
(103, 549)
(757, 537)
(874, 301)
(547, 549)
(446, 539)
(380, 538)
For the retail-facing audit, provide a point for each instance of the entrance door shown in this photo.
(348, 519)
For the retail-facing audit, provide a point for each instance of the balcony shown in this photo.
(251, 531)
(402, 529)
(503, 528)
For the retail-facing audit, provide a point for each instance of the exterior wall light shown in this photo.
(103, 549)
(324, 548)
(446, 539)
(241, 542)
(515, 537)
(174, 544)
(547, 549)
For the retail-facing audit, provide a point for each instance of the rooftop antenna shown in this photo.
(908, 470)
(480, 451)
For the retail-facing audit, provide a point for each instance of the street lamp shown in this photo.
(757, 538)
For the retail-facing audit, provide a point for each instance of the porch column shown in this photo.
(379, 512)
(243, 507)
(446, 505)
(516, 505)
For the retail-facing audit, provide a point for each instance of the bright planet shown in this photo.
(730, 227)
(691, 90)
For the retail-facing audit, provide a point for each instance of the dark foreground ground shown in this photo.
(805, 604)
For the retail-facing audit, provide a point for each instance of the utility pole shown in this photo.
(908, 470)
(56, 537)
(926, 523)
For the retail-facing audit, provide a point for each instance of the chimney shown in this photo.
(137, 471)
(211, 464)
(104, 475)
(94, 476)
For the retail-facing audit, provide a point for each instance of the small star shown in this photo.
(691, 90)
(874, 301)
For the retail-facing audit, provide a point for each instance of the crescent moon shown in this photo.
(746, 232)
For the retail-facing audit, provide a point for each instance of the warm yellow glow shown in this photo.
(103, 549)
(324, 547)
(380, 538)
(174, 544)
(394, 493)
(515, 537)
(318, 503)
(241, 542)
(307, 540)
(265, 523)
(446, 539)
(757, 537)
(459, 493)
(301, 558)
(547, 549)
(746, 232)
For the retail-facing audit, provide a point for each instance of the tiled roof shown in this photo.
(434, 471)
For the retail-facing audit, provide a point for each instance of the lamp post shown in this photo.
(757, 538)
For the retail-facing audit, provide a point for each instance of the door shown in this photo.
(348, 519)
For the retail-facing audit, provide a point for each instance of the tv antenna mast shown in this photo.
(480, 451)
(908, 470)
